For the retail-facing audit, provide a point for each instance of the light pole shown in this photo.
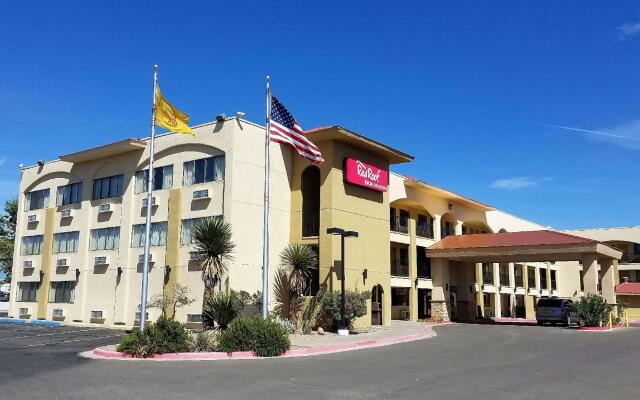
(343, 329)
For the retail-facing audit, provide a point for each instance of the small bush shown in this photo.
(162, 336)
(205, 341)
(311, 314)
(593, 310)
(263, 337)
(220, 310)
(287, 326)
(621, 309)
(355, 305)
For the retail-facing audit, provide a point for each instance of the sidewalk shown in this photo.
(301, 345)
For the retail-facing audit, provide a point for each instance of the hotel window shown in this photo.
(105, 238)
(581, 281)
(531, 277)
(399, 296)
(158, 234)
(554, 282)
(162, 179)
(518, 270)
(36, 200)
(62, 292)
(28, 291)
(313, 280)
(310, 189)
(203, 170)
(504, 274)
(66, 242)
(186, 233)
(31, 245)
(69, 194)
(447, 228)
(487, 273)
(111, 186)
(424, 226)
(543, 278)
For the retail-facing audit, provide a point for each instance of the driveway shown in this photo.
(462, 362)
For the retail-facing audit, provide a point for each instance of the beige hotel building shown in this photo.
(422, 251)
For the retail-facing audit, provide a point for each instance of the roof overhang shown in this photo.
(436, 191)
(339, 133)
(520, 247)
(108, 150)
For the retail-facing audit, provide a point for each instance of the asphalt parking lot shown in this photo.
(462, 362)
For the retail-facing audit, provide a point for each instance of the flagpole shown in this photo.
(265, 238)
(147, 227)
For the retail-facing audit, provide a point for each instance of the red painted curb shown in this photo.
(600, 328)
(245, 355)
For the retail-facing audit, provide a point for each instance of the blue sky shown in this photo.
(473, 90)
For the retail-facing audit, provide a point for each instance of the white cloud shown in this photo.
(517, 182)
(624, 135)
(627, 30)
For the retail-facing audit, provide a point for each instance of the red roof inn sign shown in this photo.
(367, 175)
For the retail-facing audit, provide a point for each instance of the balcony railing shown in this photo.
(398, 224)
(424, 230)
(424, 270)
(399, 268)
(310, 225)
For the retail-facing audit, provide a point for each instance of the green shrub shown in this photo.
(621, 308)
(263, 337)
(310, 314)
(220, 310)
(287, 326)
(162, 336)
(355, 305)
(593, 310)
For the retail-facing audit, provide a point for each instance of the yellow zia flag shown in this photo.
(169, 117)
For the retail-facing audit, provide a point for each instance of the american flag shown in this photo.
(285, 129)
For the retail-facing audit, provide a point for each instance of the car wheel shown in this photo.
(569, 321)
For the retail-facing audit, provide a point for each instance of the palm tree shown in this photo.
(299, 262)
(212, 239)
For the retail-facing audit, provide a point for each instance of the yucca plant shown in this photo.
(213, 240)
(220, 310)
(298, 261)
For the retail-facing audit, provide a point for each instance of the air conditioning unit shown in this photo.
(62, 262)
(102, 260)
(138, 314)
(24, 311)
(97, 314)
(195, 255)
(66, 214)
(104, 208)
(58, 312)
(141, 258)
(201, 194)
(32, 218)
(153, 201)
(27, 264)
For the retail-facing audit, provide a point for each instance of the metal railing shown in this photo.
(399, 225)
(310, 225)
(630, 258)
(424, 230)
(399, 268)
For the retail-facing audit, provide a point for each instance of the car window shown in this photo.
(549, 303)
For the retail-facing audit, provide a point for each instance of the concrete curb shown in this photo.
(45, 322)
(600, 329)
(101, 353)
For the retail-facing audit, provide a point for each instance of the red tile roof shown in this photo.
(509, 239)
(628, 288)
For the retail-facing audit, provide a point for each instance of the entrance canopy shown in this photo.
(528, 246)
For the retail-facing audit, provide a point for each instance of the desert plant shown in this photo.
(298, 262)
(593, 310)
(162, 336)
(355, 305)
(213, 240)
(220, 310)
(168, 303)
(205, 341)
(287, 302)
(287, 326)
(310, 314)
(262, 337)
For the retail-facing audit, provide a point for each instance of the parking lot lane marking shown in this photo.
(75, 340)
(45, 334)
